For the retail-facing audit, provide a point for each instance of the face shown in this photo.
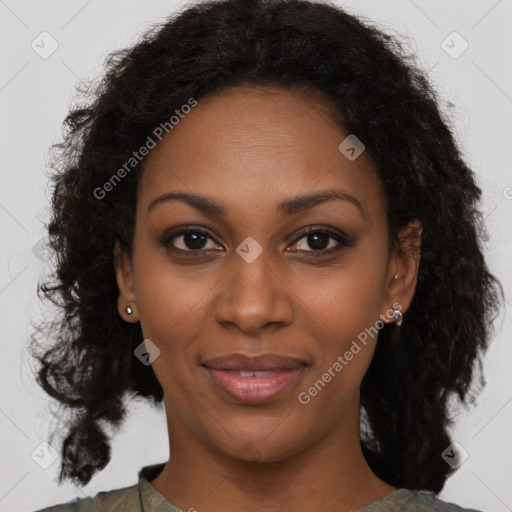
(255, 236)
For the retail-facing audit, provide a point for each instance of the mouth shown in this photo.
(253, 379)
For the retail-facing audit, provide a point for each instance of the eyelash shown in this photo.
(342, 240)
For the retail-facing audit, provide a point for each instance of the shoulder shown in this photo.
(427, 501)
(406, 500)
(118, 500)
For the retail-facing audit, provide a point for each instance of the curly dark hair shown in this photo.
(374, 87)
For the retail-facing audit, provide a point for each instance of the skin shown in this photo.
(249, 149)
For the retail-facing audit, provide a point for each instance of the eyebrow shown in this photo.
(288, 207)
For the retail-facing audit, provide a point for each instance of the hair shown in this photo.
(374, 87)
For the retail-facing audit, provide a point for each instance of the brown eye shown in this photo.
(321, 242)
(190, 240)
(318, 241)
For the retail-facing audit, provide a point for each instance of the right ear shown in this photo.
(126, 300)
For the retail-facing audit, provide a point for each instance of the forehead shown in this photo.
(254, 147)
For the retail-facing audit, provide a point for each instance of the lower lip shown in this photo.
(254, 390)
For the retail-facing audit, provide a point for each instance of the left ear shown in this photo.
(403, 270)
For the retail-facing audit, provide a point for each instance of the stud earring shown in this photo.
(129, 310)
(398, 317)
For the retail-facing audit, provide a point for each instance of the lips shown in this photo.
(253, 379)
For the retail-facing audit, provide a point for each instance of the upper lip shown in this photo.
(245, 362)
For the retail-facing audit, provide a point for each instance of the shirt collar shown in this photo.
(150, 499)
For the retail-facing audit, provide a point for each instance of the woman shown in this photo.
(262, 220)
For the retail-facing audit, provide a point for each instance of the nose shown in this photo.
(254, 296)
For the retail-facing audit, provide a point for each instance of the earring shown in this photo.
(398, 317)
(129, 310)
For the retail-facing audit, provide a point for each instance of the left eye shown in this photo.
(318, 241)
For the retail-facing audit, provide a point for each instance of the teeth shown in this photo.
(244, 373)
(265, 373)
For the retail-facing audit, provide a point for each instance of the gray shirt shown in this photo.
(142, 497)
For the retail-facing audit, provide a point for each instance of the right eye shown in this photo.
(190, 240)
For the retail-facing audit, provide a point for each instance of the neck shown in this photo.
(197, 477)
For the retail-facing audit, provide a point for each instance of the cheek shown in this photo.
(342, 312)
(171, 308)
(345, 299)
(165, 298)
(346, 334)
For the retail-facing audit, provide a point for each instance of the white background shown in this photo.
(35, 95)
